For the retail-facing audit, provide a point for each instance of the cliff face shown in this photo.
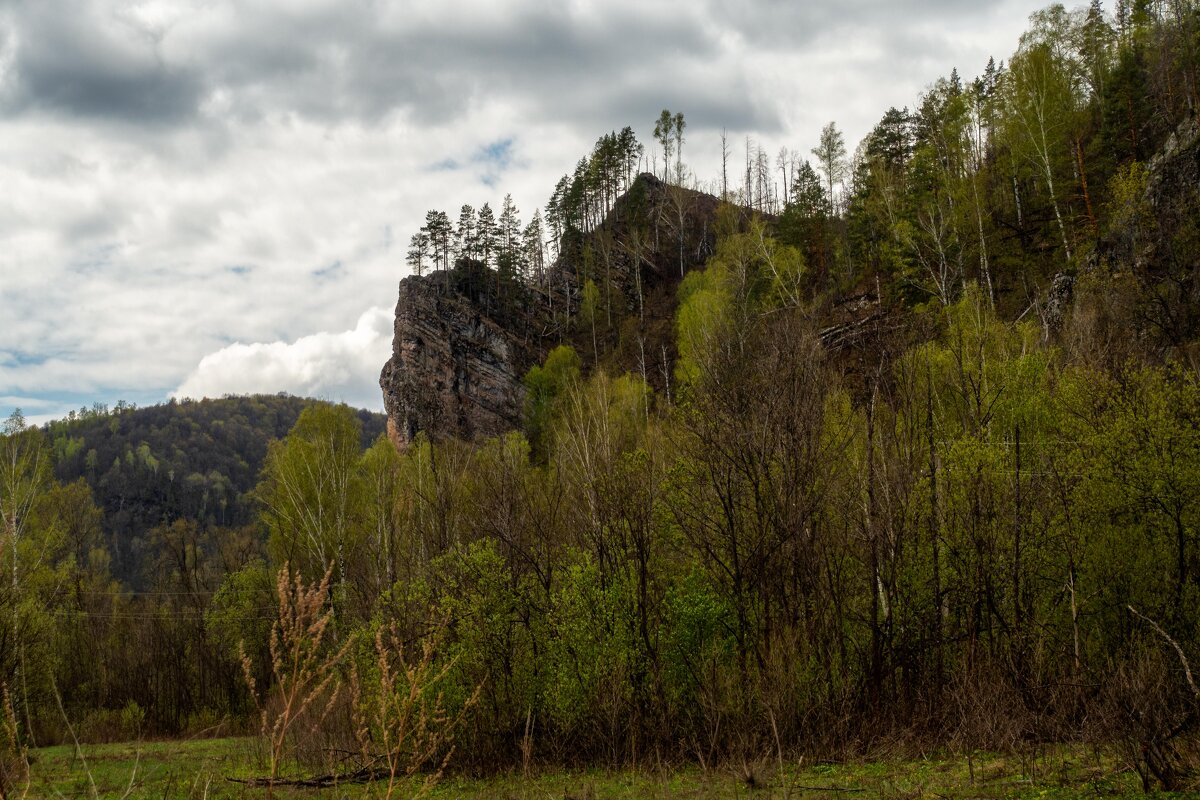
(459, 352)
(454, 370)
(1152, 221)
(1143, 280)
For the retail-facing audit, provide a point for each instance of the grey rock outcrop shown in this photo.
(454, 370)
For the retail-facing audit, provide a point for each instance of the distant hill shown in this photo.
(191, 459)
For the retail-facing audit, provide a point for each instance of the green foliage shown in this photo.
(1141, 495)
(544, 384)
(751, 273)
(697, 640)
(312, 493)
(240, 612)
(589, 658)
(183, 459)
(705, 311)
(491, 643)
(1131, 218)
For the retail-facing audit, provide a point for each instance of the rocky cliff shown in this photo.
(1141, 282)
(460, 349)
(454, 369)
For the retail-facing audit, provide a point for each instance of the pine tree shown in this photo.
(556, 212)
(508, 232)
(439, 231)
(664, 133)
(808, 195)
(631, 153)
(892, 140)
(418, 250)
(533, 248)
(464, 234)
(678, 126)
(485, 231)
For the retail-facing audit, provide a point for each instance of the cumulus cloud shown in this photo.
(334, 366)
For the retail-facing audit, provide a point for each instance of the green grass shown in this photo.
(199, 769)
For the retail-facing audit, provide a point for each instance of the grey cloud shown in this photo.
(78, 60)
(369, 58)
(93, 225)
(801, 24)
(436, 71)
(719, 100)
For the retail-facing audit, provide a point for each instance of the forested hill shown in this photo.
(1060, 182)
(194, 460)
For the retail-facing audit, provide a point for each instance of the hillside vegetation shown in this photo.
(193, 460)
(913, 463)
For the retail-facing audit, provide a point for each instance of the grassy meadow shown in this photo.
(203, 768)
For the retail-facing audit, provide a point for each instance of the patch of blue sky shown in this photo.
(19, 358)
(497, 154)
(334, 270)
(39, 408)
(495, 158)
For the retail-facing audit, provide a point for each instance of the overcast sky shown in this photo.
(200, 197)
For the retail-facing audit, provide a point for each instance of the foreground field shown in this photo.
(201, 769)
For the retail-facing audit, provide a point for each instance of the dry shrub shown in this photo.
(719, 716)
(391, 726)
(304, 663)
(321, 740)
(986, 712)
(14, 756)
(1148, 716)
(401, 722)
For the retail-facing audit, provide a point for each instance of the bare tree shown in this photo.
(831, 156)
(724, 166)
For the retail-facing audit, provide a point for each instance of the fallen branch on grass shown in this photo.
(364, 775)
(826, 789)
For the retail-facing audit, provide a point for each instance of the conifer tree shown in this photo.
(485, 231)
(534, 248)
(678, 125)
(418, 251)
(438, 229)
(508, 231)
(465, 234)
(664, 134)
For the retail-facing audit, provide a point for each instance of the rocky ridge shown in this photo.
(458, 356)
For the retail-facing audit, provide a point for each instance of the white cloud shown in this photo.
(342, 367)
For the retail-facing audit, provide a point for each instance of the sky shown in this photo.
(202, 197)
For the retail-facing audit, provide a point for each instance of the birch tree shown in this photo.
(24, 476)
(831, 156)
(1040, 102)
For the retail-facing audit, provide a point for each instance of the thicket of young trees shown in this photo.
(1015, 176)
(976, 528)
